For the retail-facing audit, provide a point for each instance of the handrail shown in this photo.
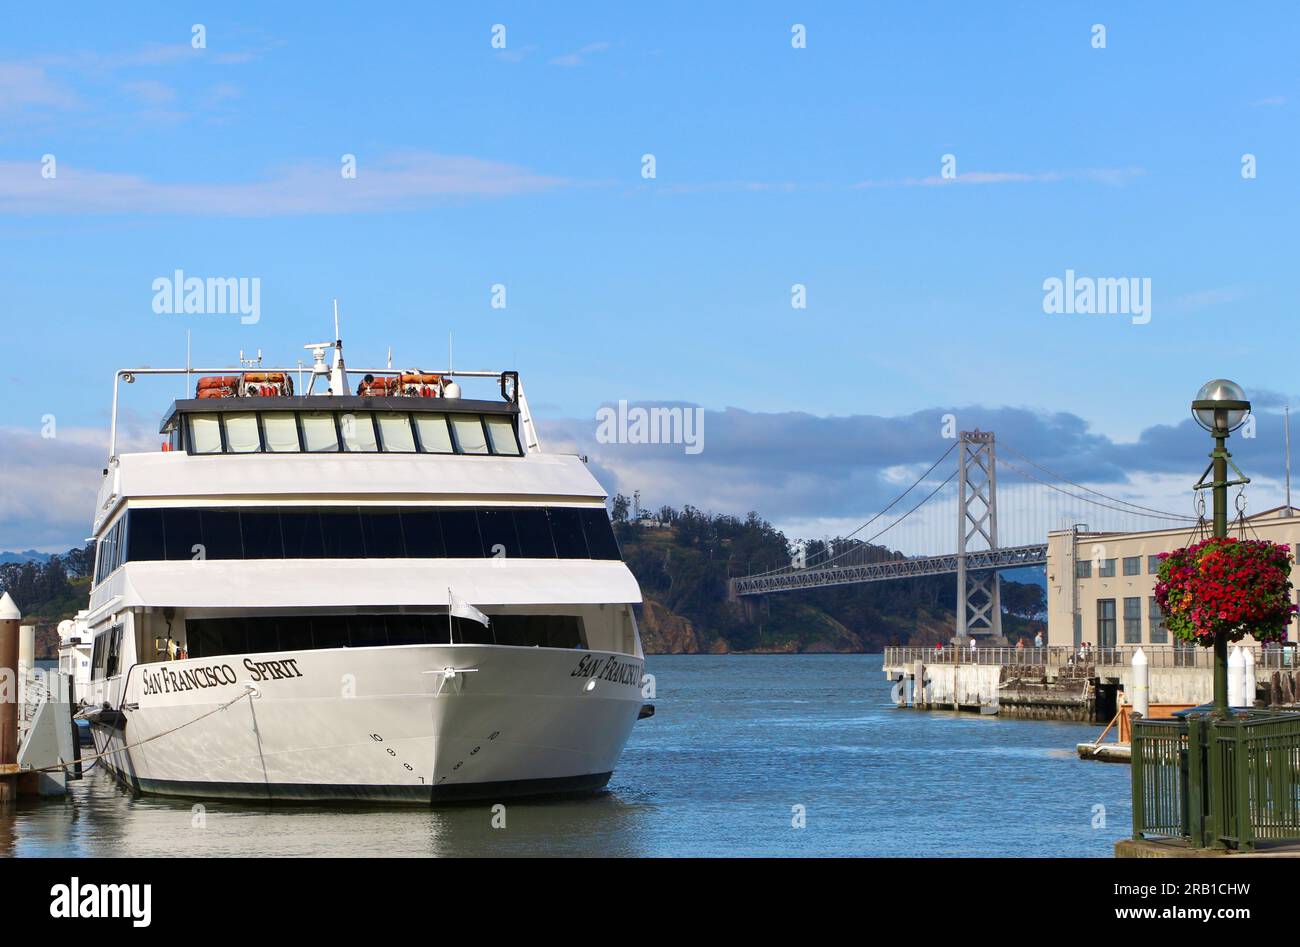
(1158, 656)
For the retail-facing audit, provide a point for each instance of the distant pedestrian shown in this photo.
(1038, 640)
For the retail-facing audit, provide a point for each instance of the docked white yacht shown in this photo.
(382, 594)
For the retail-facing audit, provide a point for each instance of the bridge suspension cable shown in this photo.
(1165, 514)
(892, 503)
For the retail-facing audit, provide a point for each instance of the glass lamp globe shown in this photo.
(1225, 418)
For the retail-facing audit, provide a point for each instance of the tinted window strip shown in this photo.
(176, 534)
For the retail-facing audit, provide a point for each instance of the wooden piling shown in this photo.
(9, 621)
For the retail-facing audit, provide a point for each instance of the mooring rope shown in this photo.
(248, 692)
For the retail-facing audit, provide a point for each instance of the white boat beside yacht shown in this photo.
(281, 605)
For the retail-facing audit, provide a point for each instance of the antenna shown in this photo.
(390, 358)
(337, 337)
(449, 353)
(1287, 430)
(186, 382)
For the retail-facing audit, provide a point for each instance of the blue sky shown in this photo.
(774, 165)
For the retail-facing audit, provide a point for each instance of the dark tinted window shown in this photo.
(460, 533)
(411, 629)
(183, 533)
(497, 528)
(261, 532)
(341, 531)
(221, 539)
(566, 530)
(302, 535)
(146, 535)
(423, 534)
(354, 533)
(600, 534)
(534, 534)
(294, 634)
(367, 631)
(382, 530)
(211, 637)
(329, 631)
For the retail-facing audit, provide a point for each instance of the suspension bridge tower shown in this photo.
(979, 595)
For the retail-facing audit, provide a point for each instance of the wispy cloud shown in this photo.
(1205, 298)
(1111, 176)
(405, 181)
(29, 86)
(1272, 101)
(577, 58)
(150, 91)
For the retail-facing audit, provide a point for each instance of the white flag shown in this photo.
(463, 609)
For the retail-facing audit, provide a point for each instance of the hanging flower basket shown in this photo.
(1226, 588)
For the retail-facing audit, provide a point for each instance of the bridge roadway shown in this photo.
(1008, 557)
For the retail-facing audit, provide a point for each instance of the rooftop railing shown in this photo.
(1057, 656)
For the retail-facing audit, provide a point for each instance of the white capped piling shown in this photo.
(1141, 682)
(27, 646)
(1248, 677)
(1236, 679)
(9, 620)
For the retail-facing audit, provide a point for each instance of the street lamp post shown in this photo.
(1220, 407)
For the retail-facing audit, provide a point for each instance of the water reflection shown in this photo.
(736, 743)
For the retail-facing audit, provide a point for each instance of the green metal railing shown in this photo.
(1218, 782)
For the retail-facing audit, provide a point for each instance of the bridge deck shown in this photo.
(1009, 557)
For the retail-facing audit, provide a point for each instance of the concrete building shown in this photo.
(1101, 586)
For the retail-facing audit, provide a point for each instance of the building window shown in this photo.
(1153, 565)
(1132, 621)
(1156, 619)
(1107, 570)
(1106, 622)
(1083, 569)
(1132, 565)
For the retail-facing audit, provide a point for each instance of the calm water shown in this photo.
(737, 741)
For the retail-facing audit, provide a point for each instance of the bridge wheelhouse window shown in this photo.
(435, 436)
(470, 436)
(1132, 565)
(358, 428)
(281, 429)
(319, 434)
(1083, 569)
(205, 434)
(395, 432)
(1107, 570)
(501, 432)
(242, 434)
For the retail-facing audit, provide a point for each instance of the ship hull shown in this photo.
(378, 725)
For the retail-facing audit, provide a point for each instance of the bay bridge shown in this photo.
(954, 526)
